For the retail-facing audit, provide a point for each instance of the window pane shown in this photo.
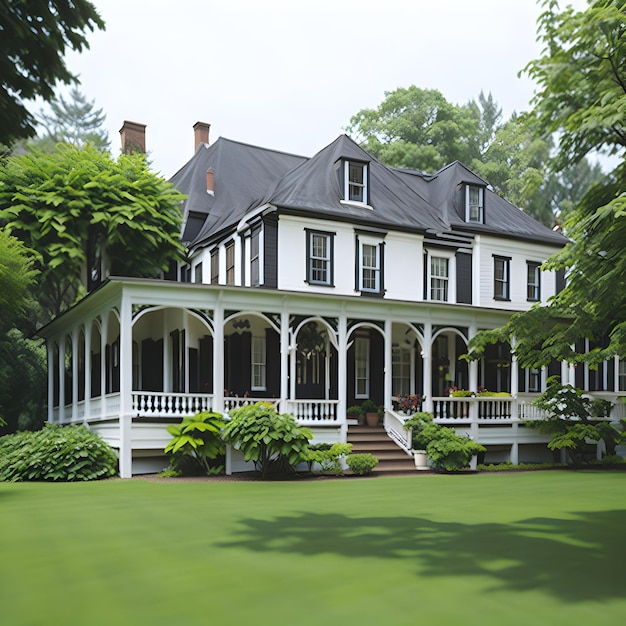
(355, 173)
(361, 367)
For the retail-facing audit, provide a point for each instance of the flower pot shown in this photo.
(371, 419)
(421, 459)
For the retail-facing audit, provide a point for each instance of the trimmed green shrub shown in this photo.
(274, 442)
(361, 464)
(56, 453)
(450, 452)
(196, 442)
(328, 457)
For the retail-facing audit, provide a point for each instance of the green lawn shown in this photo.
(537, 548)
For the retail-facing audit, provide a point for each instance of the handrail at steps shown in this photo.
(394, 427)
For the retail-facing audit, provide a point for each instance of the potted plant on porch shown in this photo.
(423, 430)
(356, 412)
(370, 408)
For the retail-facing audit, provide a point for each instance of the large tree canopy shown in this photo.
(419, 129)
(582, 97)
(76, 203)
(34, 36)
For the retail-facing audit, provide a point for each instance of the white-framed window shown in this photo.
(361, 367)
(230, 263)
(215, 267)
(255, 258)
(439, 278)
(198, 273)
(258, 363)
(319, 257)
(501, 277)
(533, 379)
(400, 371)
(355, 176)
(621, 375)
(533, 281)
(474, 204)
(370, 267)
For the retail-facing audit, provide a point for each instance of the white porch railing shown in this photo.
(165, 404)
(394, 427)
(313, 412)
(236, 402)
(482, 408)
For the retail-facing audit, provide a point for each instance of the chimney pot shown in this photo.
(133, 137)
(201, 134)
(210, 182)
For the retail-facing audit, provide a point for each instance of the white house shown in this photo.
(316, 283)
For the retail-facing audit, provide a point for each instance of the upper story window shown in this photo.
(230, 263)
(215, 267)
(319, 253)
(501, 278)
(533, 281)
(621, 375)
(255, 275)
(439, 278)
(198, 273)
(474, 204)
(356, 178)
(369, 265)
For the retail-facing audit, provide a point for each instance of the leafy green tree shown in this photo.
(22, 361)
(87, 213)
(35, 37)
(17, 274)
(74, 121)
(571, 420)
(419, 129)
(582, 96)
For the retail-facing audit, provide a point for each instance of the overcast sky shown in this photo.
(289, 75)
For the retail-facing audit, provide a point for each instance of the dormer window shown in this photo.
(355, 177)
(474, 204)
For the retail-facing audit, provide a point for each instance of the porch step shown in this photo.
(374, 440)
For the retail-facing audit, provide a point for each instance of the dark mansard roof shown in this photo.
(247, 177)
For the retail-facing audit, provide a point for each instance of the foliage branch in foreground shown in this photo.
(582, 97)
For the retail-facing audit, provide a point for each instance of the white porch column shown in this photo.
(515, 448)
(427, 374)
(75, 335)
(342, 373)
(284, 360)
(50, 343)
(473, 385)
(218, 356)
(514, 370)
(167, 354)
(62, 379)
(104, 332)
(126, 378)
(87, 372)
(388, 364)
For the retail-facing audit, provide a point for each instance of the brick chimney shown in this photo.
(133, 137)
(201, 134)
(210, 181)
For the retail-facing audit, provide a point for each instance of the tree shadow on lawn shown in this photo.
(575, 560)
